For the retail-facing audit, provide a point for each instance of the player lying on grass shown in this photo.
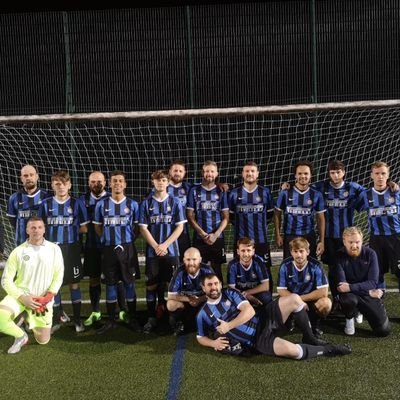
(228, 323)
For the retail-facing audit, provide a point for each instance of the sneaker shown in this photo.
(64, 318)
(55, 328)
(108, 326)
(79, 327)
(349, 329)
(150, 325)
(313, 340)
(123, 316)
(234, 349)
(332, 350)
(359, 318)
(316, 328)
(179, 329)
(93, 317)
(18, 343)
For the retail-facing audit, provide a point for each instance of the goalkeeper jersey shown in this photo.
(33, 270)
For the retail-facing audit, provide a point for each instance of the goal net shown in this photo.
(140, 142)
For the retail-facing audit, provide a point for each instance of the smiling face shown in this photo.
(192, 261)
(210, 173)
(303, 176)
(177, 173)
(245, 253)
(117, 185)
(300, 255)
(35, 230)
(250, 174)
(212, 287)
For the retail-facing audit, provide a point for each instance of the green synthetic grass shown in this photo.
(127, 365)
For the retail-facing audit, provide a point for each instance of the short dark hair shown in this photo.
(34, 218)
(334, 165)
(117, 172)
(250, 163)
(61, 175)
(245, 241)
(208, 276)
(160, 174)
(177, 161)
(305, 163)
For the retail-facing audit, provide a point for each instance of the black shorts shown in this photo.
(73, 270)
(263, 250)
(388, 250)
(332, 245)
(160, 269)
(214, 253)
(269, 326)
(119, 263)
(311, 238)
(92, 262)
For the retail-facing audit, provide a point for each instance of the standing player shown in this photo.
(304, 276)
(32, 276)
(298, 205)
(249, 274)
(208, 213)
(227, 323)
(26, 202)
(340, 198)
(161, 223)
(382, 205)
(185, 295)
(115, 220)
(252, 207)
(65, 218)
(179, 189)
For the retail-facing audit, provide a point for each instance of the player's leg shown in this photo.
(375, 313)
(176, 311)
(152, 282)
(217, 257)
(9, 308)
(264, 251)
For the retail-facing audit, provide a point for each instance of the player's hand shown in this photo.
(221, 343)
(194, 301)
(376, 293)
(29, 301)
(343, 287)
(211, 238)
(223, 186)
(285, 186)
(43, 300)
(161, 249)
(394, 187)
(40, 311)
(223, 326)
(320, 249)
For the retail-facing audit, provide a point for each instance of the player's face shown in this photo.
(245, 254)
(160, 185)
(177, 173)
(61, 188)
(210, 173)
(300, 256)
(250, 174)
(35, 230)
(212, 288)
(380, 177)
(192, 260)
(353, 244)
(303, 175)
(97, 183)
(29, 177)
(336, 176)
(117, 184)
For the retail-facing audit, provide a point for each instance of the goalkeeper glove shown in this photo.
(43, 300)
(40, 311)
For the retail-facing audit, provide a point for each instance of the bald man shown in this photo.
(25, 203)
(185, 295)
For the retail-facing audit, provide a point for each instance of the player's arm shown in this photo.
(315, 294)
(277, 225)
(321, 232)
(246, 312)
(172, 237)
(282, 292)
(212, 237)
(178, 297)
(262, 287)
(217, 344)
(192, 221)
(148, 237)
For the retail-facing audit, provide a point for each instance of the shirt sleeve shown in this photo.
(9, 273)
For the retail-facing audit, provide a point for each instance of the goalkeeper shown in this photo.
(32, 275)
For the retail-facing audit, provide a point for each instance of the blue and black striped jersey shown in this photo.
(298, 209)
(63, 219)
(252, 212)
(226, 309)
(306, 280)
(117, 219)
(22, 206)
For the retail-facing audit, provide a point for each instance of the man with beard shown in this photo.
(25, 203)
(249, 274)
(208, 213)
(356, 274)
(298, 206)
(236, 329)
(185, 295)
